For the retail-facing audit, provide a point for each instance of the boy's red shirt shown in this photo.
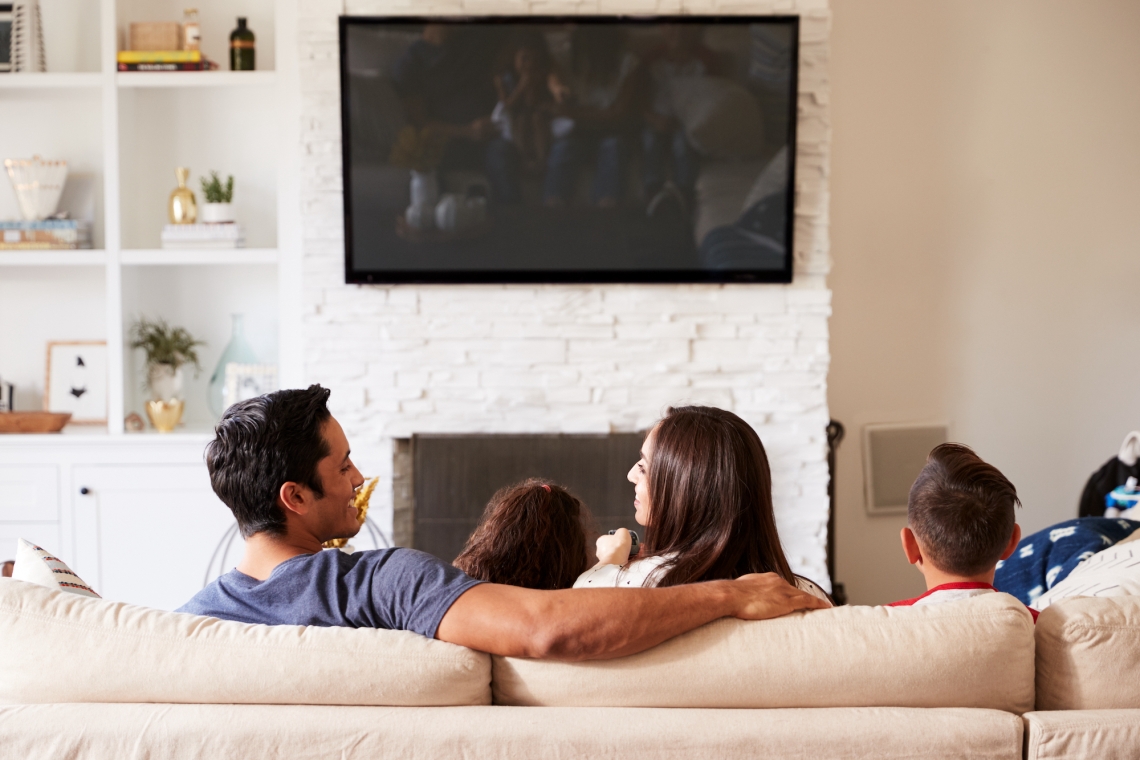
(966, 585)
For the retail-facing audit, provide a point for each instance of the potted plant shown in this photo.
(218, 208)
(167, 349)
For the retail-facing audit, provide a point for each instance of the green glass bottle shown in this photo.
(241, 47)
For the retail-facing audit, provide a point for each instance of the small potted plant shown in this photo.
(167, 350)
(218, 208)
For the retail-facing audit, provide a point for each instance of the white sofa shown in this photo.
(83, 677)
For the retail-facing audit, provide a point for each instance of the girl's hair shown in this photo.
(710, 499)
(532, 534)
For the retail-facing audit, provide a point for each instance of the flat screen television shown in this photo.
(583, 149)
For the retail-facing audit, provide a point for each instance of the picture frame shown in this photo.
(246, 381)
(76, 380)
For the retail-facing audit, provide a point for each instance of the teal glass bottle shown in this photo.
(237, 352)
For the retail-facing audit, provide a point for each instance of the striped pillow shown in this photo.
(36, 565)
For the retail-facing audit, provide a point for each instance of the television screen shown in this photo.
(568, 149)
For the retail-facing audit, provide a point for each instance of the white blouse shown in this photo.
(637, 573)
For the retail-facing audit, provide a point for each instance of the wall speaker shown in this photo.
(893, 455)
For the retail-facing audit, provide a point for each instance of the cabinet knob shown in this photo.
(84, 490)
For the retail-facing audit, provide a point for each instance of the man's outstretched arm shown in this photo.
(594, 624)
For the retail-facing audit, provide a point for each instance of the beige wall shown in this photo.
(986, 244)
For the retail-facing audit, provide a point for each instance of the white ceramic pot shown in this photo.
(165, 382)
(425, 189)
(217, 213)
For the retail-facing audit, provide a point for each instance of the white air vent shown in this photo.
(893, 455)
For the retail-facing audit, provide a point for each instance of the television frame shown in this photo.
(353, 276)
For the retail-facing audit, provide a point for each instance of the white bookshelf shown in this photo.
(123, 134)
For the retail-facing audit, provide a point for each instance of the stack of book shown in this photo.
(202, 236)
(45, 234)
(161, 60)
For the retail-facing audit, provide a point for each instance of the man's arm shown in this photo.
(594, 624)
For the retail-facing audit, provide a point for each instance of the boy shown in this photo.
(960, 523)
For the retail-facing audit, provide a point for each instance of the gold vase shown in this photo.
(165, 415)
(183, 208)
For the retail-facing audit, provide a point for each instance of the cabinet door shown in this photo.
(45, 534)
(29, 493)
(145, 534)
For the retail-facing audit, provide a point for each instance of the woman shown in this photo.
(703, 491)
(531, 535)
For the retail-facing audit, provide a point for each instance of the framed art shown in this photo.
(246, 381)
(76, 380)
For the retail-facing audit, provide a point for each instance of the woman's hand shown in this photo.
(614, 550)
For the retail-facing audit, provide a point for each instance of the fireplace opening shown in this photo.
(441, 483)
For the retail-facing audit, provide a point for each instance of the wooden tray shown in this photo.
(33, 422)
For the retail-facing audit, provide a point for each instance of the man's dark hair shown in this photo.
(262, 443)
(962, 510)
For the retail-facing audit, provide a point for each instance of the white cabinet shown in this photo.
(150, 530)
(134, 516)
(29, 494)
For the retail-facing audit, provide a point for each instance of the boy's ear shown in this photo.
(1014, 540)
(910, 547)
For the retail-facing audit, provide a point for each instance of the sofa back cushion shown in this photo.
(973, 653)
(1088, 654)
(59, 647)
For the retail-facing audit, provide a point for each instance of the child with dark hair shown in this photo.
(960, 524)
(532, 534)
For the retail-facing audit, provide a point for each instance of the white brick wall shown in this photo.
(573, 358)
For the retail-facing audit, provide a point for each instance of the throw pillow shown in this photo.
(35, 564)
(721, 118)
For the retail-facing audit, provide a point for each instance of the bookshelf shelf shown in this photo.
(50, 81)
(123, 133)
(215, 257)
(138, 79)
(53, 258)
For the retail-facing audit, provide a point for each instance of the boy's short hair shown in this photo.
(262, 443)
(961, 509)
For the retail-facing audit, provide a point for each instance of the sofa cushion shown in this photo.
(1088, 654)
(239, 732)
(35, 564)
(974, 653)
(59, 647)
(1081, 734)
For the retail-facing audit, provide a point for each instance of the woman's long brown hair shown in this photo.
(710, 499)
(532, 534)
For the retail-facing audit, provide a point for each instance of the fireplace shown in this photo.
(441, 483)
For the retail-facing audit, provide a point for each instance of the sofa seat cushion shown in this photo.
(218, 732)
(1082, 734)
(1088, 654)
(60, 647)
(974, 653)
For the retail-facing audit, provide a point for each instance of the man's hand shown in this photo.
(614, 550)
(767, 595)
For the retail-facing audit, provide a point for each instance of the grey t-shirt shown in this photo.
(398, 589)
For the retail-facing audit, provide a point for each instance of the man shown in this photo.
(282, 465)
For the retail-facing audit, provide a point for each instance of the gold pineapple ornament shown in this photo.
(182, 208)
(360, 501)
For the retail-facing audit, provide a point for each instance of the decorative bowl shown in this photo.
(38, 185)
(33, 422)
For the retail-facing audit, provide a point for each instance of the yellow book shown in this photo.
(160, 56)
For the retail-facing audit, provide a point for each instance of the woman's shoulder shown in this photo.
(803, 584)
(633, 575)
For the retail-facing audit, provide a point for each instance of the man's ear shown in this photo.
(1014, 540)
(910, 547)
(294, 497)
